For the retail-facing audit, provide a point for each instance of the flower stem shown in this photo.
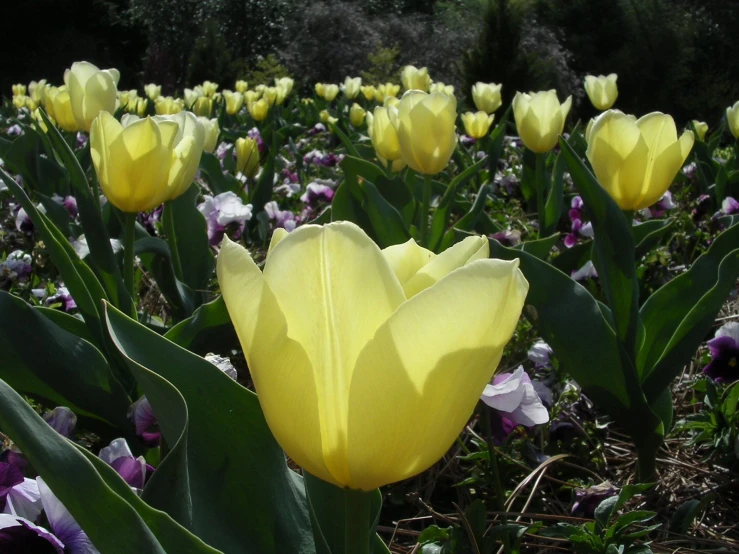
(425, 207)
(357, 523)
(488, 418)
(128, 240)
(541, 186)
(172, 239)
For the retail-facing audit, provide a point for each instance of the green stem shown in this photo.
(356, 523)
(425, 207)
(541, 186)
(488, 418)
(172, 239)
(128, 240)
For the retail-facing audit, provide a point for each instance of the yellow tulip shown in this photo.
(477, 124)
(357, 115)
(90, 91)
(391, 101)
(203, 106)
(270, 95)
(383, 91)
(192, 95)
(441, 87)
(127, 99)
(21, 101)
(48, 101)
(282, 93)
(601, 90)
(368, 92)
(732, 118)
(247, 156)
(19, 90)
(234, 101)
(166, 105)
(540, 119)
(330, 92)
(636, 160)
(36, 90)
(320, 89)
(415, 79)
(362, 383)
(153, 91)
(141, 163)
(326, 117)
(426, 130)
(285, 83)
(209, 89)
(62, 110)
(384, 138)
(701, 128)
(251, 96)
(486, 96)
(140, 106)
(260, 89)
(211, 130)
(39, 121)
(259, 109)
(350, 87)
(241, 86)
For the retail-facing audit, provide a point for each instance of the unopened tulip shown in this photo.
(486, 96)
(209, 89)
(701, 128)
(270, 95)
(62, 110)
(601, 90)
(19, 89)
(285, 83)
(477, 125)
(147, 161)
(234, 101)
(326, 117)
(330, 92)
(166, 105)
(357, 115)
(414, 78)
(153, 91)
(191, 95)
(140, 105)
(21, 100)
(212, 130)
(441, 87)
(636, 160)
(36, 90)
(361, 382)
(368, 92)
(259, 109)
(732, 118)
(282, 93)
(426, 130)
(241, 86)
(351, 87)
(203, 106)
(90, 91)
(385, 138)
(540, 119)
(247, 156)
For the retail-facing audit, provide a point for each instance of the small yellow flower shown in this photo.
(486, 96)
(247, 156)
(732, 118)
(540, 119)
(357, 115)
(153, 91)
(414, 78)
(351, 87)
(602, 90)
(241, 86)
(477, 124)
(701, 128)
(234, 101)
(258, 109)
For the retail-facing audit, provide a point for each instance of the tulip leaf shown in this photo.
(58, 215)
(219, 182)
(91, 218)
(345, 140)
(613, 249)
(386, 220)
(209, 329)
(67, 371)
(227, 444)
(496, 139)
(678, 316)
(574, 258)
(194, 249)
(40, 173)
(648, 234)
(540, 247)
(468, 221)
(261, 192)
(554, 205)
(106, 508)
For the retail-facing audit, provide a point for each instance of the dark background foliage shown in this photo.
(676, 56)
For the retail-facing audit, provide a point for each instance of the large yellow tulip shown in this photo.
(209, 89)
(732, 118)
(91, 91)
(540, 119)
(477, 124)
(384, 138)
(212, 130)
(601, 90)
(415, 79)
(363, 380)
(701, 128)
(258, 109)
(203, 106)
(636, 160)
(234, 101)
(285, 83)
(486, 96)
(426, 130)
(241, 86)
(62, 109)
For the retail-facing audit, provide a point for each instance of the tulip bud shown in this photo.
(426, 130)
(540, 119)
(90, 91)
(330, 92)
(270, 95)
(732, 118)
(40, 124)
(326, 117)
(20, 101)
(259, 109)
(209, 89)
(486, 96)
(636, 160)
(357, 115)
(36, 90)
(601, 90)
(140, 106)
(384, 138)
(166, 105)
(319, 88)
(19, 90)
(234, 101)
(212, 130)
(701, 128)
(247, 156)
(192, 95)
(368, 91)
(350, 88)
(62, 110)
(153, 91)
(285, 83)
(414, 78)
(442, 88)
(203, 106)
(241, 86)
(477, 125)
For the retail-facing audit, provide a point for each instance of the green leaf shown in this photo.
(243, 496)
(219, 182)
(261, 192)
(679, 315)
(345, 140)
(40, 173)
(468, 221)
(540, 247)
(209, 329)
(106, 508)
(648, 234)
(554, 205)
(572, 259)
(687, 512)
(613, 248)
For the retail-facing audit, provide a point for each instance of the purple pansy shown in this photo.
(585, 272)
(68, 202)
(145, 422)
(317, 128)
(724, 347)
(16, 266)
(729, 206)
(281, 218)
(14, 130)
(540, 353)
(513, 395)
(63, 525)
(64, 297)
(81, 140)
(119, 456)
(315, 192)
(222, 210)
(321, 158)
(20, 536)
(19, 496)
(509, 237)
(587, 500)
(658, 210)
(62, 420)
(578, 228)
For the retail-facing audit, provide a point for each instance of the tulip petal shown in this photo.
(417, 381)
(336, 289)
(279, 366)
(407, 259)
